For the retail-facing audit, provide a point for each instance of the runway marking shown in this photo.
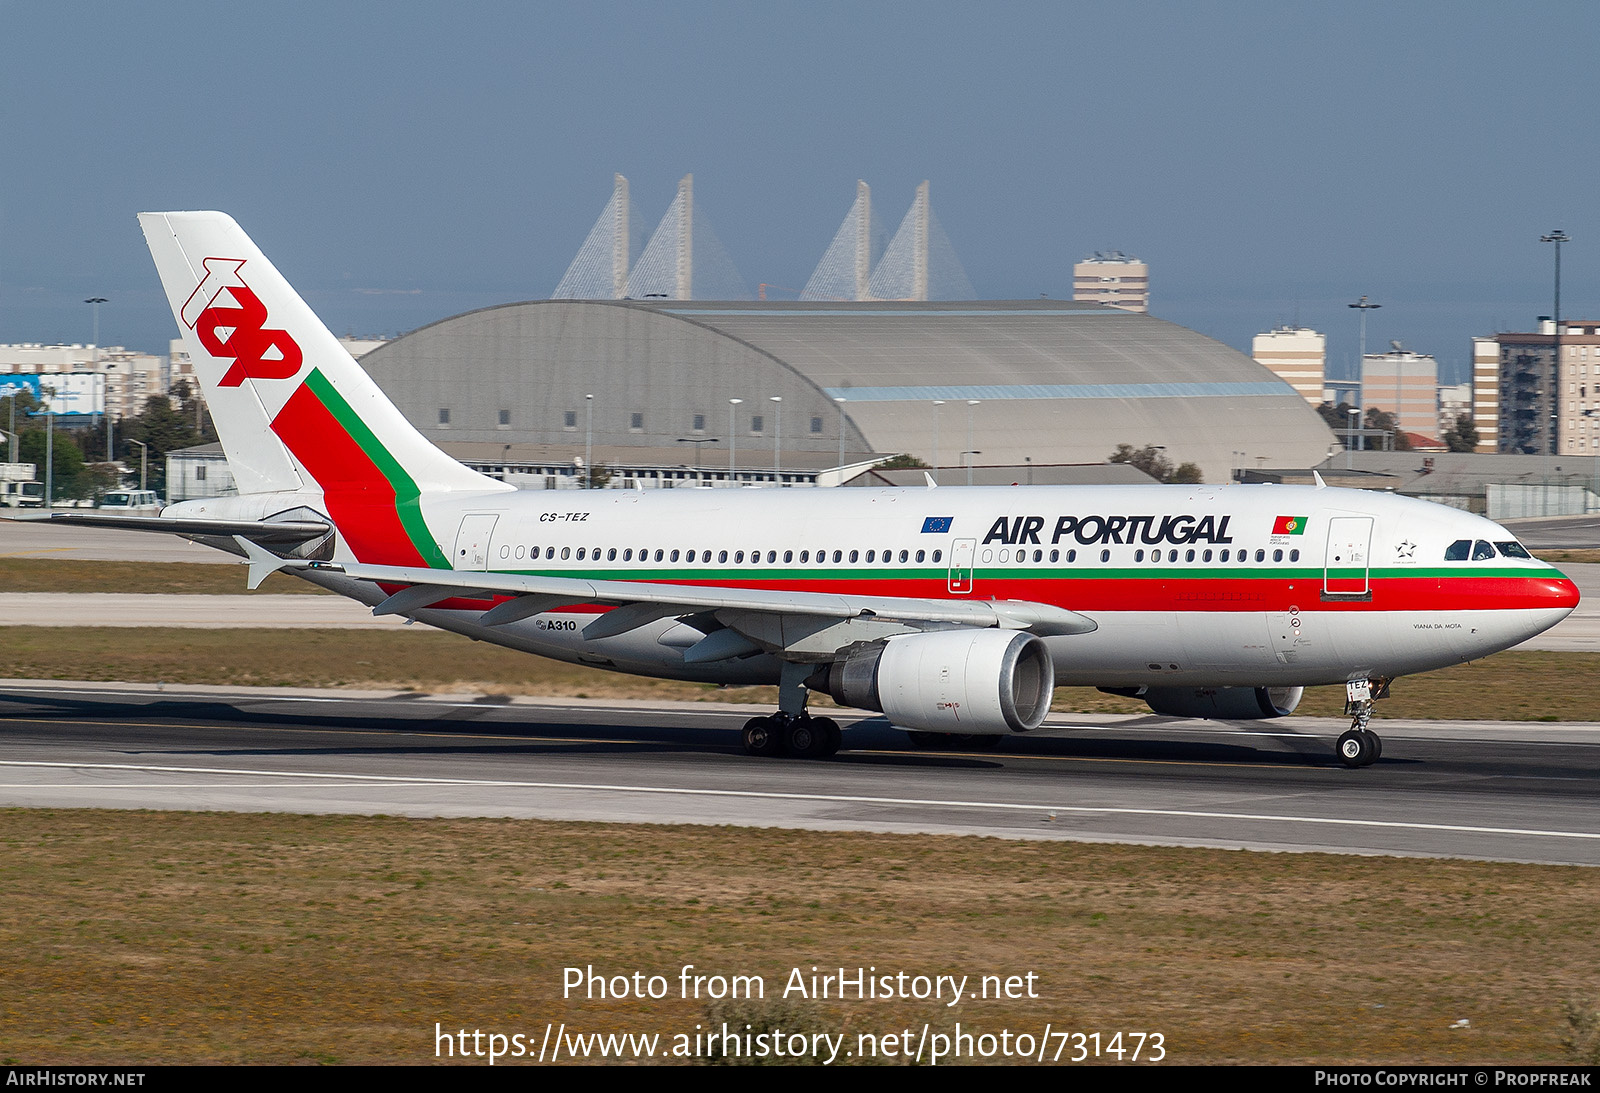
(827, 798)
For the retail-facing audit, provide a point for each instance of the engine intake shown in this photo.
(982, 682)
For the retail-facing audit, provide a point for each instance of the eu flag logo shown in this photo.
(936, 525)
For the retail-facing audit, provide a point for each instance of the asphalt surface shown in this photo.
(1510, 791)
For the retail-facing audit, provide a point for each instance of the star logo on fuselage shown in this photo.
(1404, 549)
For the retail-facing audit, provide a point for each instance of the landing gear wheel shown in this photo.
(807, 739)
(1377, 745)
(763, 736)
(833, 738)
(1356, 748)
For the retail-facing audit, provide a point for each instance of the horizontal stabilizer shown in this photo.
(286, 533)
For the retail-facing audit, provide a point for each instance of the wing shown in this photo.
(801, 625)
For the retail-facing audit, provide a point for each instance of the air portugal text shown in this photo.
(1088, 530)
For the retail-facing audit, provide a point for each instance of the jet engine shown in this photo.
(1219, 703)
(979, 682)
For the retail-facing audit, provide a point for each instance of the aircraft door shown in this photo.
(1346, 566)
(472, 541)
(961, 574)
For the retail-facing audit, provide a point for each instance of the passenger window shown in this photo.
(1513, 549)
(855, 555)
(872, 555)
(566, 552)
(1482, 551)
(1105, 555)
(772, 556)
(937, 555)
(788, 555)
(1188, 556)
(1138, 555)
(1172, 555)
(920, 555)
(1224, 556)
(1458, 550)
(1072, 555)
(580, 554)
(805, 556)
(905, 556)
(738, 556)
(1261, 555)
(627, 555)
(837, 555)
(1277, 555)
(674, 556)
(611, 555)
(658, 554)
(722, 556)
(1294, 555)
(1055, 555)
(1206, 557)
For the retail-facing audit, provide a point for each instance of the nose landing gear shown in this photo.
(1359, 746)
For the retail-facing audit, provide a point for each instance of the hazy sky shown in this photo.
(404, 161)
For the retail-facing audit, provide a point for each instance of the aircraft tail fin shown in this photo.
(293, 409)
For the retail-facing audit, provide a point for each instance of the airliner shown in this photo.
(954, 611)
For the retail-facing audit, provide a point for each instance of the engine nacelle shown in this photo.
(1223, 703)
(981, 682)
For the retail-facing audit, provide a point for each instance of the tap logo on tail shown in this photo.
(238, 332)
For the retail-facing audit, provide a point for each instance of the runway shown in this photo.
(1503, 791)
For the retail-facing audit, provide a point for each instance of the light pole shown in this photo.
(144, 454)
(95, 302)
(1557, 237)
(938, 402)
(588, 443)
(777, 438)
(733, 441)
(971, 402)
(967, 458)
(840, 403)
(1363, 307)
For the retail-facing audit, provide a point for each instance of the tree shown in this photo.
(901, 463)
(1384, 422)
(1150, 460)
(68, 477)
(165, 428)
(1463, 435)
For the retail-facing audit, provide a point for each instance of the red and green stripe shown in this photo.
(373, 501)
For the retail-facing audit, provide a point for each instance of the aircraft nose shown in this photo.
(1556, 592)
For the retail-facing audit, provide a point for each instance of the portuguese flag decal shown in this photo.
(1289, 525)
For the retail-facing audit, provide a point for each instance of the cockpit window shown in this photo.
(1458, 550)
(1513, 549)
(1482, 551)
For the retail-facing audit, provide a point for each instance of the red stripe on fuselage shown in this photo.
(1200, 595)
(360, 499)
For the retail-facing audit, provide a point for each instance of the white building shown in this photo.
(1403, 380)
(1111, 277)
(130, 377)
(1296, 355)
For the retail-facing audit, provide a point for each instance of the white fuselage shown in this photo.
(1238, 585)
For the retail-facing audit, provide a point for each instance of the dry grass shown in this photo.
(170, 578)
(140, 937)
(1566, 555)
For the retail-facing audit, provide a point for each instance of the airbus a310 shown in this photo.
(953, 611)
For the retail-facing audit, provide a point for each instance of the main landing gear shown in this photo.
(1360, 746)
(802, 736)
(792, 731)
